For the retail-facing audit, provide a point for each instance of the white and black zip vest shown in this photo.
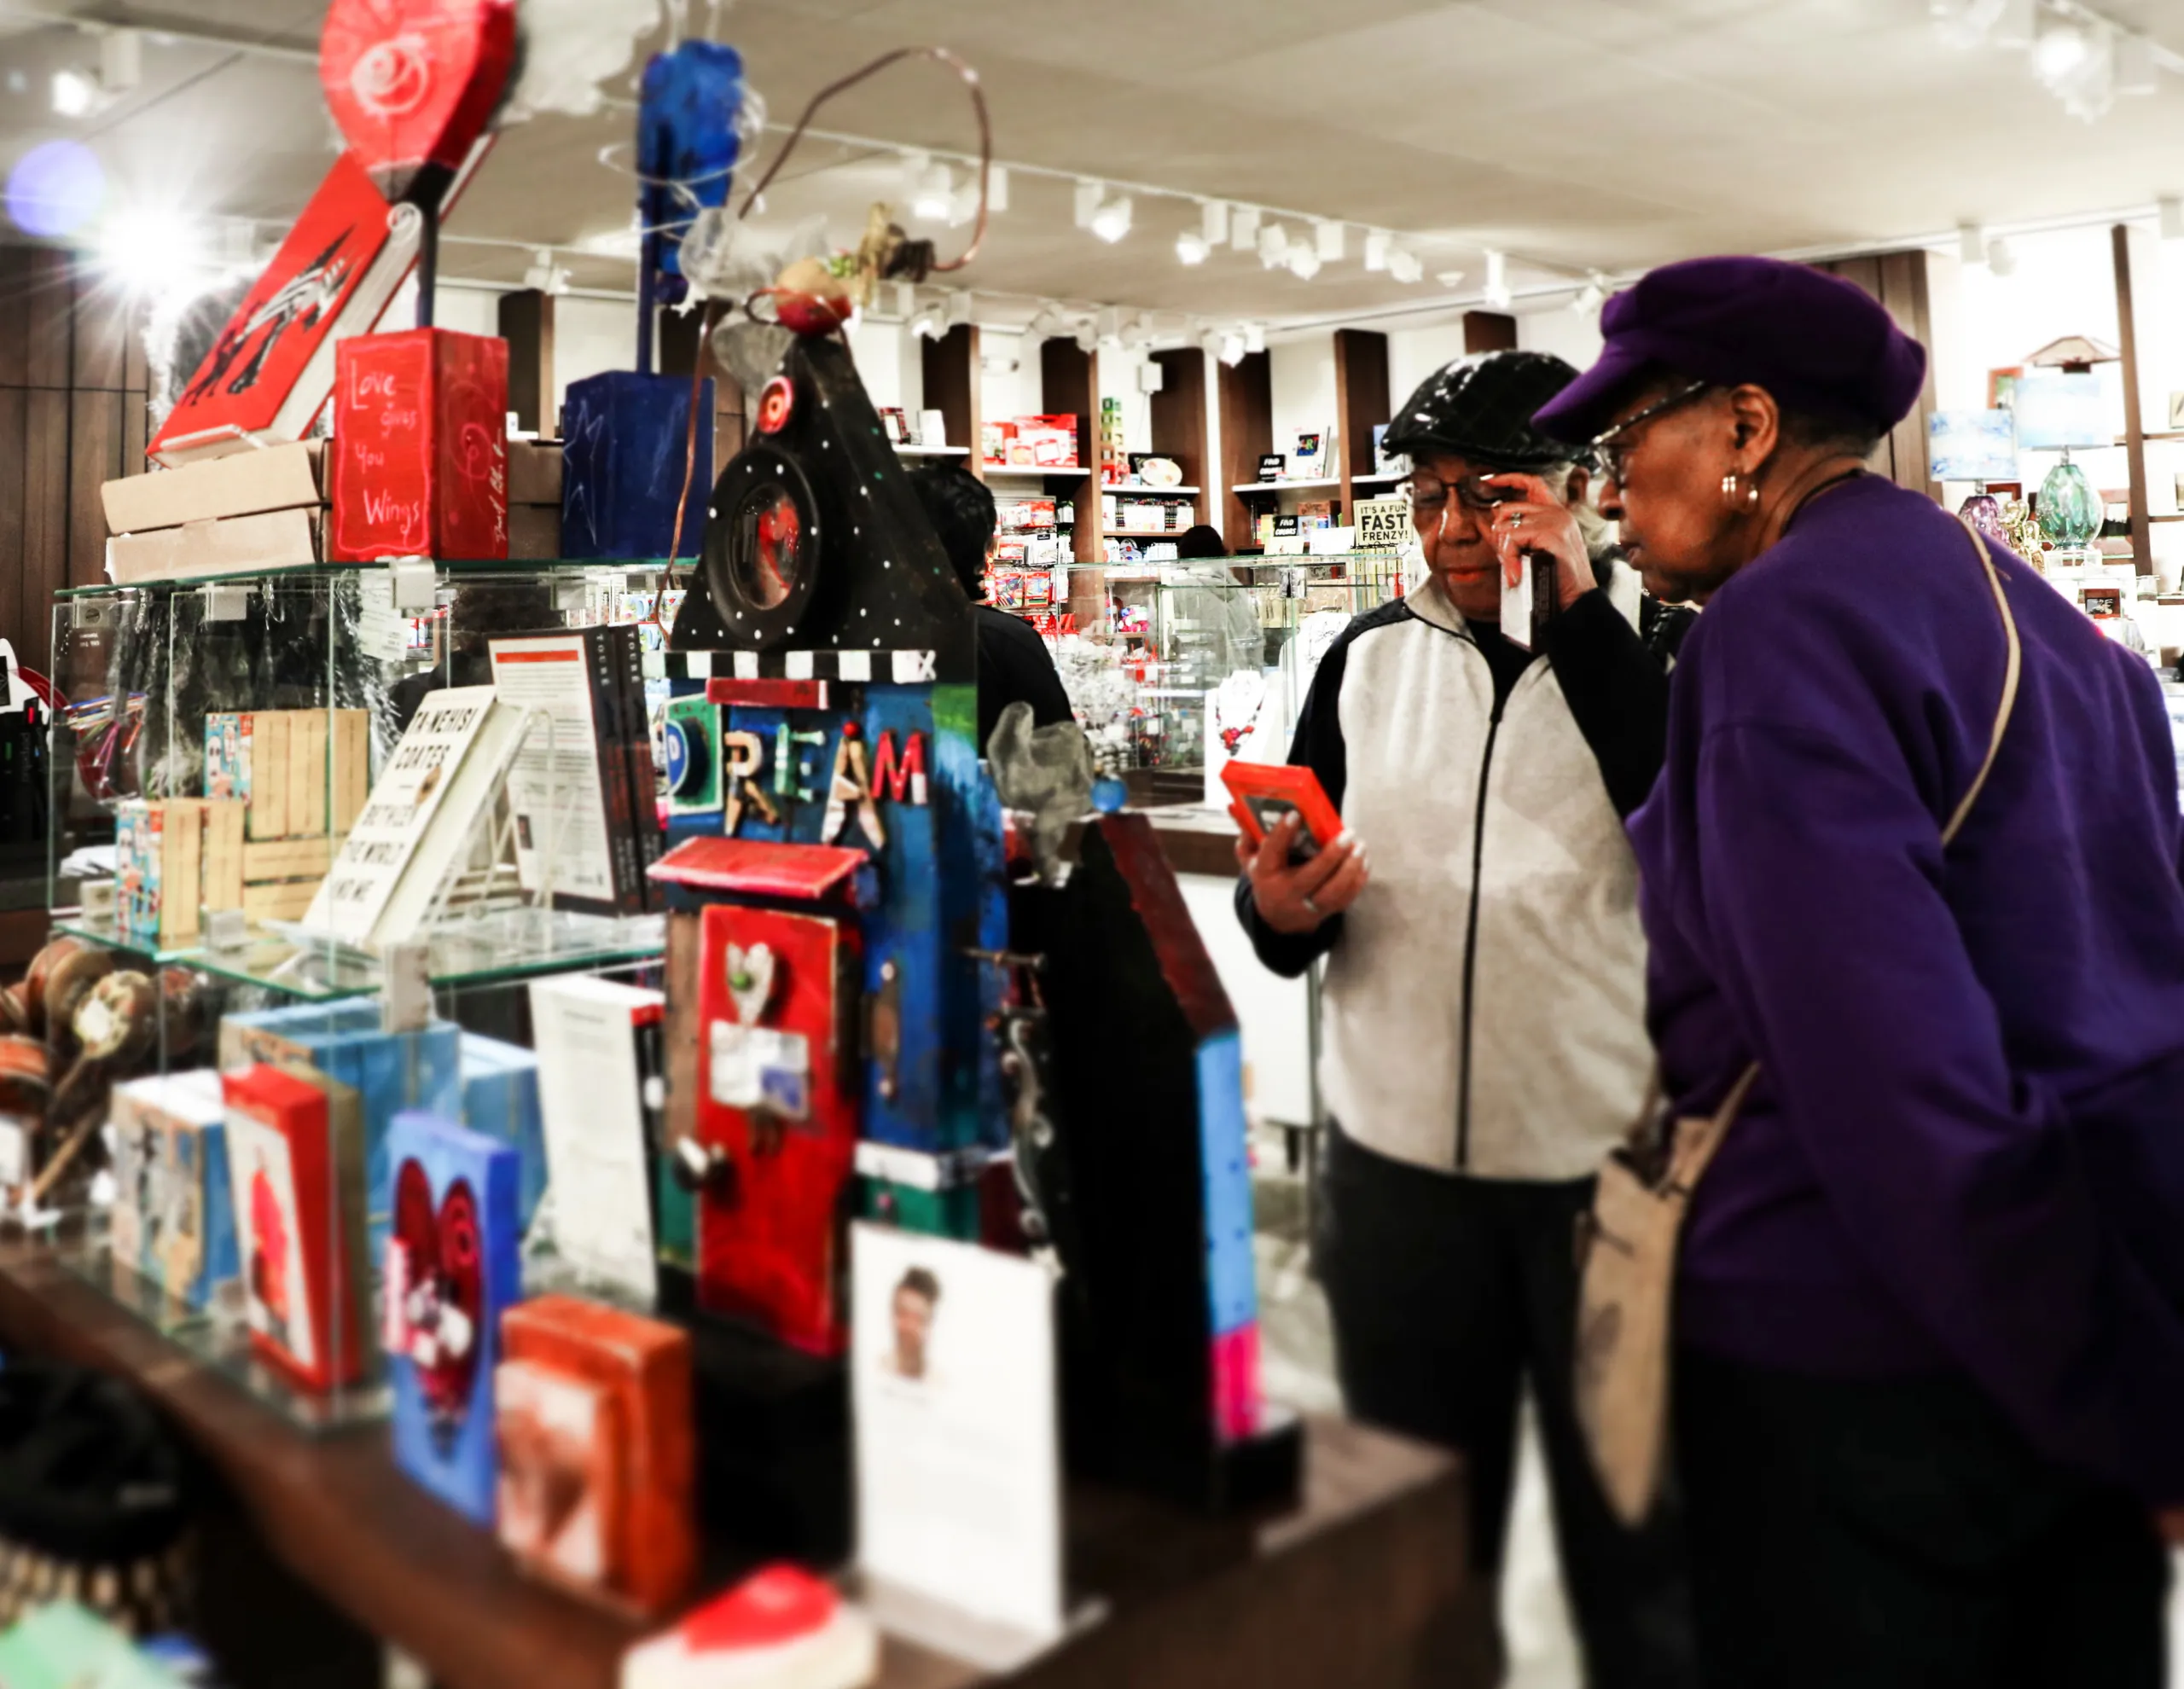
(1485, 1001)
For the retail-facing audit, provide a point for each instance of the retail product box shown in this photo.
(280, 539)
(391, 1071)
(174, 1217)
(419, 447)
(251, 484)
(598, 1457)
(627, 463)
(157, 850)
(453, 1268)
(295, 1158)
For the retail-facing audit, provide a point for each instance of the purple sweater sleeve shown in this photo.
(1958, 1179)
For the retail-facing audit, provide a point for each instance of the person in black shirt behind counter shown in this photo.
(1014, 664)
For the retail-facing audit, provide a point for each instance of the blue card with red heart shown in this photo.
(453, 1266)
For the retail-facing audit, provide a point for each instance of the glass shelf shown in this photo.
(497, 948)
(308, 572)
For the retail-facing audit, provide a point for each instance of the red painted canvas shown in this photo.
(643, 1464)
(268, 376)
(304, 1297)
(776, 1002)
(412, 84)
(419, 447)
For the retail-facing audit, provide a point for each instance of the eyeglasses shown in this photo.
(1429, 494)
(1613, 451)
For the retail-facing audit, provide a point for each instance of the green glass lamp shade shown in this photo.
(2070, 510)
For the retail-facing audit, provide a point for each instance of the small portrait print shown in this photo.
(911, 1311)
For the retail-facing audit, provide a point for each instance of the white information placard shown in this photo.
(958, 1459)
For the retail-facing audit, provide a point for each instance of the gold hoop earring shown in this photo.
(1739, 494)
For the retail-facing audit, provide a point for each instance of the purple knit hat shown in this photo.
(1817, 343)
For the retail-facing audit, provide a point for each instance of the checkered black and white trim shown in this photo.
(898, 668)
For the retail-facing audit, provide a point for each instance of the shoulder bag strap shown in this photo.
(1695, 1143)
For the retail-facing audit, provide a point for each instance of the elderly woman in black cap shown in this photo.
(1911, 885)
(1484, 1040)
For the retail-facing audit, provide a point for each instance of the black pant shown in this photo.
(1446, 1292)
(1891, 1535)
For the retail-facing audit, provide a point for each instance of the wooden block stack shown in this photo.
(176, 859)
(303, 776)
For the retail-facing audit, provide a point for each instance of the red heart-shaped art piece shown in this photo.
(414, 83)
(444, 1273)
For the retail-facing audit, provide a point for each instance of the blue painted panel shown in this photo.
(201, 1163)
(975, 901)
(687, 141)
(907, 929)
(625, 463)
(500, 1101)
(444, 1431)
(1231, 1286)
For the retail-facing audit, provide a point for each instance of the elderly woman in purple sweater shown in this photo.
(1929, 1306)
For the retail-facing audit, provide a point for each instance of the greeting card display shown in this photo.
(295, 1156)
(452, 1269)
(597, 1449)
(174, 1218)
(419, 447)
(777, 998)
(267, 376)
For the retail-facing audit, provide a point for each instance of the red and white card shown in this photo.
(779, 1628)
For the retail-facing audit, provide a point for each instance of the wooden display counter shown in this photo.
(1361, 1585)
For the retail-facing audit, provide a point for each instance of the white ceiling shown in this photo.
(1573, 134)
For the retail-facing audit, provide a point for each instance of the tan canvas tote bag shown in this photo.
(1629, 1238)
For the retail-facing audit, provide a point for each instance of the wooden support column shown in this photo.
(951, 385)
(678, 351)
(526, 323)
(1247, 434)
(1179, 418)
(1361, 404)
(1489, 331)
(1069, 385)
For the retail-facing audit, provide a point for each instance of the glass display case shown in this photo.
(217, 741)
(1198, 663)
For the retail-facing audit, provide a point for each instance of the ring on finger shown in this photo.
(1312, 906)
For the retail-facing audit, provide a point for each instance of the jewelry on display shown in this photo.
(1236, 705)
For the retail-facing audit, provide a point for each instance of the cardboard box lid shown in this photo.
(248, 484)
(281, 539)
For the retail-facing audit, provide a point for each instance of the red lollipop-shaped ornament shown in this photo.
(412, 84)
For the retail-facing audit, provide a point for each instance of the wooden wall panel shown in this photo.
(45, 502)
(50, 318)
(1899, 281)
(16, 281)
(99, 345)
(525, 320)
(95, 436)
(1246, 432)
(20, 623)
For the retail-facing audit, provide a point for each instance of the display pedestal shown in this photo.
(1362, 1584)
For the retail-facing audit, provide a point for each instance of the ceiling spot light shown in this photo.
(1450, 278)
(1377, 246)
(1971, 244)
(121, 60)
(1213, 222)
(1192, 247)
(1404, 266)
(1109, 324)
(1592, 296)
(1274, 244)
(959, 304)
(75, 95)
(1087, 335)
(1232, 350)
(997, 189)
(934, 195)
(1254, 336)
(1328, 241)
(1244, 229)
(1110, 222)
(1303, 262)
(1047, 324)
(544, 276)
(2172, 219)
(928, 324)
(2062, 48)
(1089, 197)
(2002, 256)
